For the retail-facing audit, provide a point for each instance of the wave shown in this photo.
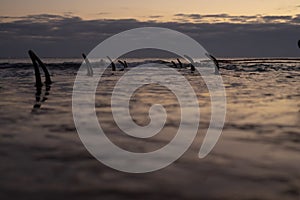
(241, 64)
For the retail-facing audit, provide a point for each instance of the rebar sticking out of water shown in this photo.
(174, 64)
(124, 64)
(217, 66)
(36, 61)
(180, 64)
(88, 65)
(113, 66)
(192, 63)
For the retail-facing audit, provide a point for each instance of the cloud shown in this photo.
(69, 36)
(219, 18)
(180, 15)
(155, 16)
(296, 19)
(270, 19)
(103, 13)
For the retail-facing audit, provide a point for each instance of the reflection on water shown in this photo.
(41, 97)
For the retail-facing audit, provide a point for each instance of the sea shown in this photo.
(256, 157)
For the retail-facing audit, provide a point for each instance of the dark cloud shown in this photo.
(180, 15)
(234, 19)
(277, 17)
(69, 36)
(270, 19)
(189, 16)
(103, 13)
(155, 16)
(195, 16)
(217, 16)
(296, 19)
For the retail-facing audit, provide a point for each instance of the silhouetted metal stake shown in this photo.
(88, 65)
(36, 61)
(174, 64)
(113, 66)
(217, 66)
(180, 64)
(124, 64)
(192, 68)
(192, 63)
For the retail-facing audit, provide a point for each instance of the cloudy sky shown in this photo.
(226, 28)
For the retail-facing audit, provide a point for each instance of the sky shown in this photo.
(227, 28)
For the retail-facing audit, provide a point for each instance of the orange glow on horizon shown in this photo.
(160, 10)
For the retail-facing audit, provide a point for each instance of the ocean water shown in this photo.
(257, 156)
